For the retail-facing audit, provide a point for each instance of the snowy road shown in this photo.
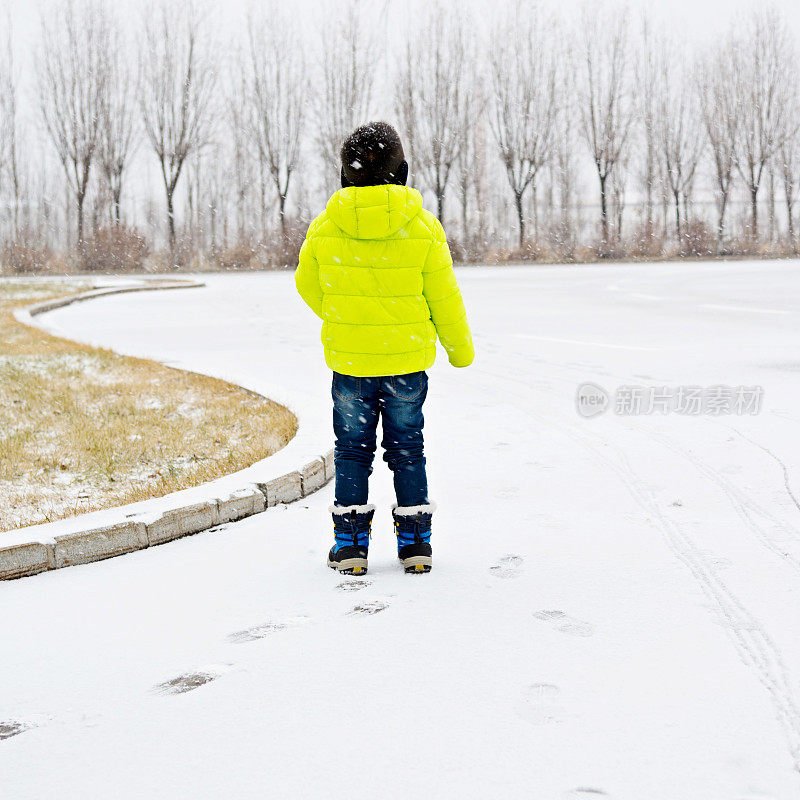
(614, 609)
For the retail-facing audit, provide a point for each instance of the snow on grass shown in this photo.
(37, 289)
(82, 428)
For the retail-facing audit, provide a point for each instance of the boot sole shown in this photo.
(417, 565)
(350, 566)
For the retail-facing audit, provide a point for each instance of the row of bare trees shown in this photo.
(97, 102)
(517, 125)
(656, 114)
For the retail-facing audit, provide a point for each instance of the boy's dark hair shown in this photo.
(373, 154)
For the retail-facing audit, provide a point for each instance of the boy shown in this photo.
(375, 266)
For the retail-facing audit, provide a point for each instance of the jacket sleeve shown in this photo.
(306, 277)
(443, 296)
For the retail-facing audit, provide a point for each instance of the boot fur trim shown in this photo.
(345, 510)
(410, 511)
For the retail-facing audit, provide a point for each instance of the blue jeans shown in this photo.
(357, 404)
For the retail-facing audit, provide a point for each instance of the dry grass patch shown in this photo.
(82, 428)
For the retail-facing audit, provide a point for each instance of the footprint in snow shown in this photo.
(584, 793)
(263, 630)
(256, 632)
(354, 585)
(564, 623)
(373, 607)
(508, 566)
(9, 728)
(539, 704)
(189, 681)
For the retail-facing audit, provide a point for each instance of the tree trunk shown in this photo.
(464, 210)
(603, 216)
(721, 223)
(754, 212)
(535, 212)
(440, 205)
(282, 213)
(771, 205)
(171, 221)
(263, 198)
(676, 195)
(80, 198)
(16, 204)
(520, 218)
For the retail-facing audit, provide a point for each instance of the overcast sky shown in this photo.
(690, 18)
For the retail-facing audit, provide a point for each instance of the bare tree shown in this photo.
(242, 161)
(349, 57)
(525, 82)
(480, 180)
(720, 112)
(9, 128)
(789, 170)
(787, 161)
(679, 132)
(647, 78)
(470, 154)
(563, 161)
(764, 60)
(72, 77)
(178, 79)
(432, 93)
(277, 93)
(564, 166)
(606, 110)
(119, 132)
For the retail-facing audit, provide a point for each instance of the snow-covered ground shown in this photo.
(613, 609)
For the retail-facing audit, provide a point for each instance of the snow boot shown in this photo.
(352, 527)
(412, 524)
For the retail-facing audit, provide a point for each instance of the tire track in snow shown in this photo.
(753, 644)
(781, 463)
(745, 507)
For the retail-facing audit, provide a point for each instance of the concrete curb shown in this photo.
(24, 315)
(132, 532)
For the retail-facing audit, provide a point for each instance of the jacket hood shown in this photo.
(373, 212)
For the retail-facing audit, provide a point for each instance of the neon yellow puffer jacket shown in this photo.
(375, 266)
